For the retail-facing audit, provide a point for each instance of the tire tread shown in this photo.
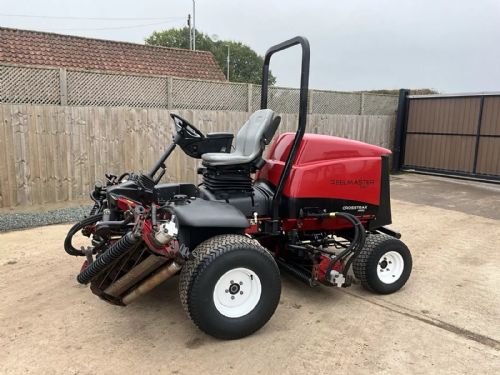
(360, 265)
(203, 255)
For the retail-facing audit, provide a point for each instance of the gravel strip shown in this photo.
(35, 219)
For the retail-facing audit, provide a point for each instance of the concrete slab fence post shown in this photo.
(249, 97)
(170, 91)
(63, 86)
(311, 101)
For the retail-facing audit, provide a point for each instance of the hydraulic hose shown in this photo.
(115, 251)
(354, 247)
(68, 246)
(122, 176)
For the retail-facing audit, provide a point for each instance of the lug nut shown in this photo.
(241, 282)
(227, 291)
(241, 292)
(232, 297)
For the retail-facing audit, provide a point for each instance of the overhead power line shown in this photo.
(113, 27)
(91, 18)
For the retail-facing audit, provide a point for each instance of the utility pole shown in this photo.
(190, 32)
(194, 25)
(228, 62)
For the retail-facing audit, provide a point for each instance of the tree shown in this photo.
(245, 65)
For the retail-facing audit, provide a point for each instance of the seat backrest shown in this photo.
(256, 132)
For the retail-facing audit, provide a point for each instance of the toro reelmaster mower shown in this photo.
(316, 208)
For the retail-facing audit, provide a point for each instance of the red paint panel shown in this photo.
(317, 148)
(327, 167)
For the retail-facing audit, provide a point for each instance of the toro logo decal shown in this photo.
(361, 183)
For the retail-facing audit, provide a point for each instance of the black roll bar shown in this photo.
(304, 92)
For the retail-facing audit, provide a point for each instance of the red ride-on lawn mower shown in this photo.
(316, 208)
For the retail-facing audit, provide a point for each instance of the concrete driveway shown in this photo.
(445, 320)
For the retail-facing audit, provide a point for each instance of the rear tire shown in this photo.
(383, 265)
(230, 287)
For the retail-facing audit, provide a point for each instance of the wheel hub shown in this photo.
(237, 292)
(234, 288)
(390, 267)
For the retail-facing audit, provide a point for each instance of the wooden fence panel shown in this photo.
(51, 154)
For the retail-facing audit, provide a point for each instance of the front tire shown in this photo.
(230, 287)
(383, 265)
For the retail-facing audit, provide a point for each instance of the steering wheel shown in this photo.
(184, 128)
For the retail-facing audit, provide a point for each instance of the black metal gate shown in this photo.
(449, 134)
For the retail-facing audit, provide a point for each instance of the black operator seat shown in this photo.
(250, 142)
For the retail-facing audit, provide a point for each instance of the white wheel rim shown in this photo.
(390, 267)
(237, 292)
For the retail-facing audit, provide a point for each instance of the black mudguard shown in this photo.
(200, 213)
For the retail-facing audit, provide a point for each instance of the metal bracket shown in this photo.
(336, 278)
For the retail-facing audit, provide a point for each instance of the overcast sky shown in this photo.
(450, 46)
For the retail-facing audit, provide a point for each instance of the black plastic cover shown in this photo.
(259, 200)
(130, 189)
(164, 192)
(201, 213)
(213, 142)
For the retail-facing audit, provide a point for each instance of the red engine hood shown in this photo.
(316, 148)
(327, 167)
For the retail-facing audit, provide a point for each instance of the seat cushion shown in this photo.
(249, 141)
(219, 158)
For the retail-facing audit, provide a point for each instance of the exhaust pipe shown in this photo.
(151, 282)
